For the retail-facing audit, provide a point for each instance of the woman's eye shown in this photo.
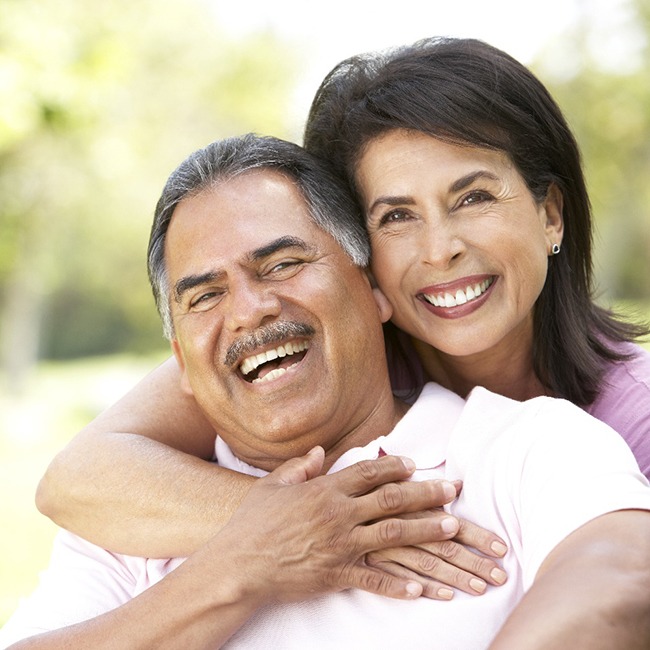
(394, 216)
(476, 197)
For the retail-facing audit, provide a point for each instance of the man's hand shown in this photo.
(298, 534)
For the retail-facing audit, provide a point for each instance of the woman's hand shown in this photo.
(448, 564)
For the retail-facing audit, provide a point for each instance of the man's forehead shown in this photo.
(243, 218)
(263, 198)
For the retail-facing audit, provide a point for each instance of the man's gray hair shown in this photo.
(330, 202)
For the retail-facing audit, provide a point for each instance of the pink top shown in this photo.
(623, 403)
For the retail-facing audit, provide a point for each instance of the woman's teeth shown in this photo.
(447, 299)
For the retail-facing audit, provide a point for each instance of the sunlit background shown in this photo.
(100, 100)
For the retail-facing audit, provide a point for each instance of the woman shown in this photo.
(383, 119)
(481, 233)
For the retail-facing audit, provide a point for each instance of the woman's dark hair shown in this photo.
(468, 92)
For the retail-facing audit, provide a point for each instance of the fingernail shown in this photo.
(408, 463)
(449, 525)
(445, 594)
(449, 491)
(498, 575)
(413, 589)
(499, 548)
(477, 585)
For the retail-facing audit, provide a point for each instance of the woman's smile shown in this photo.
(456, 299)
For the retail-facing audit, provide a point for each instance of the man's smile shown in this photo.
(271, 364)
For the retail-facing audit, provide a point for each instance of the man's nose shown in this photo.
(250, 304)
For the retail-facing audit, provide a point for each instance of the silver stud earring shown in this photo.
(555, 249)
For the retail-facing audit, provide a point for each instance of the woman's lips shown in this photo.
(459, 298)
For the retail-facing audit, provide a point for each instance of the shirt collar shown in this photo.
(422, 435)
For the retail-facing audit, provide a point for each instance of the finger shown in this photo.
(366, 475)
(360, 576)
(451, 563)
(298, 470)
(430, 588)
(393, 532)
(411, 497)
(481, 539)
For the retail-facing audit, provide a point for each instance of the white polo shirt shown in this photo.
(532, 472)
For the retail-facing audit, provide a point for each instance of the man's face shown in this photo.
(253, 278)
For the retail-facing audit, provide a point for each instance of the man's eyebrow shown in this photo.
(456, 186)
(190, 281)
(287, 241)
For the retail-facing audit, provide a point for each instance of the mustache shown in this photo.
(271, 333)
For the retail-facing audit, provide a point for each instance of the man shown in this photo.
(264, 294)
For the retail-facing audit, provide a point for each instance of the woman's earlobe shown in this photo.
(554, 209)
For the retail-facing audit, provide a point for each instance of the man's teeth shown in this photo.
(251, 363)
(460, 297)
(270, 375)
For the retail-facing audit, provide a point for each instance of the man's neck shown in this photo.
(378, 423)
(375, 418)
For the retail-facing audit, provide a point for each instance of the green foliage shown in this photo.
(608, 108)
(100, 102)
(59, 399)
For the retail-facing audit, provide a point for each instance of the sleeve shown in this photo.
(81, 582)
(624, 404)
(574, 468)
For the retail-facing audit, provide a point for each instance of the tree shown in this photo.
(606, 100)
(100, 102)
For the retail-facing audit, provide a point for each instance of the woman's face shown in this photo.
(459, 245)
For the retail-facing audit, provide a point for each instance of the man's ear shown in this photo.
(384, 307)
(178, 354)
(553, 209)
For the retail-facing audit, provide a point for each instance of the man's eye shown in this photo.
(203, 299)
(285, 266)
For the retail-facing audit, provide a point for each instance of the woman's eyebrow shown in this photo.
(468, 179)
(456, 186)
(391, 200)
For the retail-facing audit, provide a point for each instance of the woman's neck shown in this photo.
(505, 370)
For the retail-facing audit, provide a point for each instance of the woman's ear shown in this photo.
(384, 307)
(554, 212)
(178, 354)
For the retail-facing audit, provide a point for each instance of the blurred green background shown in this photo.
(99, 101)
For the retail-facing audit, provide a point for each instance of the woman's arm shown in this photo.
(150, 492)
